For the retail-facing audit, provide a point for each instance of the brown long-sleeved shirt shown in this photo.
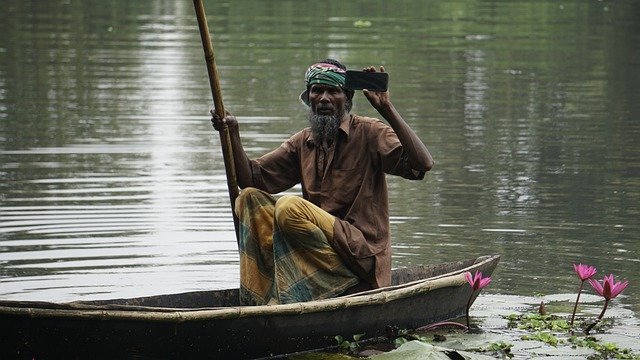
(348, 181)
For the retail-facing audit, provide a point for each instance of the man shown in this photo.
(335, 238)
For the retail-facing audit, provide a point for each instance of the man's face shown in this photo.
(327, 100)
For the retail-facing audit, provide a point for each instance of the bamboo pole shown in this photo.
(216, 93)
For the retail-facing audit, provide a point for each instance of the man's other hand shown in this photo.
(218, 123)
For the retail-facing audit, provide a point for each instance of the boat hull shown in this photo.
(147, 328)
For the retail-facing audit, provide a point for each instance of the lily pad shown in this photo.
(418, 350)
(629, 341)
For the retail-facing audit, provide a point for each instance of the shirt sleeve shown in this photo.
(279, 169)
(394, 157)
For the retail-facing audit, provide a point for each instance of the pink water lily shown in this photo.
(584, 272)
(477, 282)
(608, 288)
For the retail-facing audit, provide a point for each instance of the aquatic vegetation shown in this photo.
(442, 324)
(362, 23)
(543, 336)
(553, 330)
(538, 322)
(500, 347)
(605, 350)
(404, 336)
(585, 272)
(555, 333)
(351, 346)
(477, 282)
(609, 289)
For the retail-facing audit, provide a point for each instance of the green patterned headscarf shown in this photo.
(322, 73)
(327, 74)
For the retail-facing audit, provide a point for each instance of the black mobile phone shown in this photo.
(372, 81)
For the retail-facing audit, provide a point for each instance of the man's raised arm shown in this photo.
(419, 155)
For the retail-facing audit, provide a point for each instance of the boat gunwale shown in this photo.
(372, 297)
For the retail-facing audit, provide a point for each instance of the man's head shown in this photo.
(328, 72)
(327, 98)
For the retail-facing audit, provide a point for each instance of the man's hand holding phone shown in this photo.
(377, 91)
(367, 79)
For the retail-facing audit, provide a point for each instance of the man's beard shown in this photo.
(324, 127)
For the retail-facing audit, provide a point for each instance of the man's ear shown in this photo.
(349, 94)
(349, 102)
(304, 97)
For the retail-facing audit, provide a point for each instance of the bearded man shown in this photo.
(334, 239)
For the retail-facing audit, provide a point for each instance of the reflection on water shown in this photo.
(113, 183)
(116, 266)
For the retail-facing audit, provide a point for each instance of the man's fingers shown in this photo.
(373, 69)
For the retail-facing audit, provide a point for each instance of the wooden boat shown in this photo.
(211, 324)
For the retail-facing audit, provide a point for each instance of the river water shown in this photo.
(112, 180)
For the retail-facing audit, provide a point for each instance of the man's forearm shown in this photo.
(240, 159)
(418, 153)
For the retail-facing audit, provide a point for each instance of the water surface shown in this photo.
(112, 178)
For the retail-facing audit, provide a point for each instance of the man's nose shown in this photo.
(324, 97)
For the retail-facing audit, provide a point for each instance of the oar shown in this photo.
(227, 152)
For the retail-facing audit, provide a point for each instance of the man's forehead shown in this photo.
(325, 86)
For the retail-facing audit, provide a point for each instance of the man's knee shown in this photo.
(246, 193)
(296, 215)
(288, 208)
(246, 196)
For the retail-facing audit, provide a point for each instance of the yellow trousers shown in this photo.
(285, 253)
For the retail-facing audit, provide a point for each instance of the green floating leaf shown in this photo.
(500, 346)
(538, 322)
(545, 337)
(362, 23)
(417, 350)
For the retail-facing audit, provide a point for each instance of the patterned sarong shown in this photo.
(285, 256)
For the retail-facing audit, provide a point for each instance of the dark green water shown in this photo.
(112, 178)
